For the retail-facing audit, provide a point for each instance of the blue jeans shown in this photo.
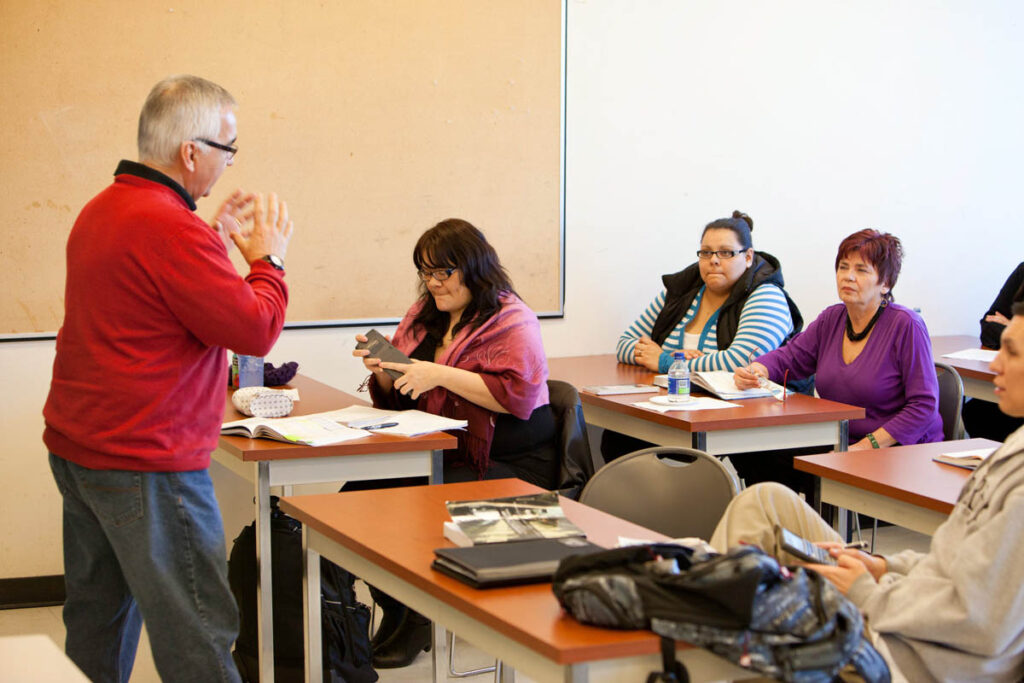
(145, 546)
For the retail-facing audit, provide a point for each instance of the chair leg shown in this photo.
(471, 672)
(874, 534)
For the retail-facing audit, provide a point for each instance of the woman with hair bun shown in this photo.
(717, 311)
(723, 309)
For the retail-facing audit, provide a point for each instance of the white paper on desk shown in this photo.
(984, 355)
(410, 422)
(353, 413)
(695, 403)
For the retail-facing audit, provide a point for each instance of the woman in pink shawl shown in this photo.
(477, 356)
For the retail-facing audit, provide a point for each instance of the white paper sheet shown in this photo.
(695, 403)
(984, 355)
(410, 422)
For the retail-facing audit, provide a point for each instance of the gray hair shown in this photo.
(178, 109)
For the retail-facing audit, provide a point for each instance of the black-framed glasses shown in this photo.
(439, 274)
(232, 151)
(723, 254)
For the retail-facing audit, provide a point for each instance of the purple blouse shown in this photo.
(893, 378)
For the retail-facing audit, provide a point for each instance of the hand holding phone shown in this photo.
(381, 348)
(798, 546)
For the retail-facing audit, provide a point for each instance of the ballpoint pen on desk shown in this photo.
(375, 422)
(379, 425)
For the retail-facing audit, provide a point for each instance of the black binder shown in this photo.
(508, 564)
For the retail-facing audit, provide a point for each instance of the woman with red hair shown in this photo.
(866, 351)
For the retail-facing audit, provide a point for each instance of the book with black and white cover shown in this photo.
(516, 518)
(507, 564)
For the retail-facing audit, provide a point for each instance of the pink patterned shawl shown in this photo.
(506, 351)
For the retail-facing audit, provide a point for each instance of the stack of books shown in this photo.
(508, 541)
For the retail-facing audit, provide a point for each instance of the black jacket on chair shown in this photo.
(576, 465)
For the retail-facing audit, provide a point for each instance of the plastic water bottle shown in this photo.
(679, 379)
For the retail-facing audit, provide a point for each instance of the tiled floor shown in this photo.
(47, 620)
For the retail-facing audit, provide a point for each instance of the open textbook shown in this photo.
(721, 384)
(322, 429)
(516, 518)
(309, 430)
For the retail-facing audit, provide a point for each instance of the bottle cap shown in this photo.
(678, 355)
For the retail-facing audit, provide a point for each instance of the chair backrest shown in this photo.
(679, 492)
(951, 400)
(576, 465)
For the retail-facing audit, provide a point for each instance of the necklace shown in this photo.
(858, 336)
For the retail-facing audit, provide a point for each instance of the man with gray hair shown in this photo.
(137, 397)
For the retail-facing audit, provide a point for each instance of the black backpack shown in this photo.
(783, 622)
(344, 620)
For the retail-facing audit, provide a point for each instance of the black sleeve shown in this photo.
(1013, 290)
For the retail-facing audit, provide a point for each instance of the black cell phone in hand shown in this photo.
(798, 546)
(381, 348)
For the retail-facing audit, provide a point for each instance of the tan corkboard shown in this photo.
(373, 119)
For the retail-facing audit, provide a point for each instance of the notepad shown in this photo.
(969, 460)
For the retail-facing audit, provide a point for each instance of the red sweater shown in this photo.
(151, 301)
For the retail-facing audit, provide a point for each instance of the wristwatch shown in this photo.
(274, 260)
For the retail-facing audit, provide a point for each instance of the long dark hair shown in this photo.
(455, 243)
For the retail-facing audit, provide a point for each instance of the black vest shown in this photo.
(682, 287)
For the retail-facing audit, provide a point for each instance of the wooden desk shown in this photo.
(975, 374)
(387, 537)
(757, 424)
(900, 484)
(267, 463)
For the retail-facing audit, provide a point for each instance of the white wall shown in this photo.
(817, 118)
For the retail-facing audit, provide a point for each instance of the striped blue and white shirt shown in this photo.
(765, 321)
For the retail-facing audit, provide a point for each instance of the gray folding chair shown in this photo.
(951, 401)
(680, 492)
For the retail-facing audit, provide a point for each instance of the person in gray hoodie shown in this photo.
(955, 613)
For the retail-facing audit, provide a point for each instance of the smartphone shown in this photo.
(802, 548)
(381, 348)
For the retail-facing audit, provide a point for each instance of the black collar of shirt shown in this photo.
(150, 173)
